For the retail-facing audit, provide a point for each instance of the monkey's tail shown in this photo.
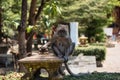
(71, 73)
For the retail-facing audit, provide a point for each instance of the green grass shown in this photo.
(93, 76)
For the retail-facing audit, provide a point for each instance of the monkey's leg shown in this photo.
(70, 50)
(56, 51)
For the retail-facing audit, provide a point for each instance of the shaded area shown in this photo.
(96, 76)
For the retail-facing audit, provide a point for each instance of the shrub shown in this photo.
(97, 44)
(96, 76)
(98, 51)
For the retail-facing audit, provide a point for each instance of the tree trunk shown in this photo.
(33, 16)
(0, 24)
(21, 29)
(31, 21)
(116, 15)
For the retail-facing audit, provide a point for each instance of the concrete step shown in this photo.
(82, 64)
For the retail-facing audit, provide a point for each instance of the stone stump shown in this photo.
(48, 62)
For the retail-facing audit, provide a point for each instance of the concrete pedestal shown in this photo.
(49, 62)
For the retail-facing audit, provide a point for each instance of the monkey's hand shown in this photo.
(46, 45)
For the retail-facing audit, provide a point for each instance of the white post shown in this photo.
(74, 32)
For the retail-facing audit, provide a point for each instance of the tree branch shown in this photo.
(32, 12)
(43, 2)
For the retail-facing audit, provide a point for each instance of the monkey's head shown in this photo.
(61, 31)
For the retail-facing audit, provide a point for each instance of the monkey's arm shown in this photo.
(51, 41)
(47, 44)
(56, 51)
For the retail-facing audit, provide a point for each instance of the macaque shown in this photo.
(60, 42)
(62, 47)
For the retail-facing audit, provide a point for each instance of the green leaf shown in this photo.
(29, 28)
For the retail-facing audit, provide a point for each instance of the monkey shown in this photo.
(62, 47)
(61, 40)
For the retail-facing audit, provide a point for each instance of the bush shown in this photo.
(96, 76)
(97, 44)
(98, 51)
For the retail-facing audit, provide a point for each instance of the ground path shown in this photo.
(111, 64)
(112, 61)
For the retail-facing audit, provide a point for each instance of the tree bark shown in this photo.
(0, 24)
(31, 21)
(21, 30)
(40, 9)
(116, 15)
(33, 16)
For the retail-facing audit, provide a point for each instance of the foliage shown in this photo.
(93, 76)
(12, 11)
(12, 76)
(84, 11)
(92, 15)
(10, 16)
(50, 14)
(52, 9)
(96, 76)
(94, 31)
(97, 44)
(88, 13)
(110, 14)
(114, 3)
(98, 51)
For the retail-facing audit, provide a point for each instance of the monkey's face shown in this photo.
(62, 33)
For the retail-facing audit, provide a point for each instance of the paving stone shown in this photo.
(82, 64)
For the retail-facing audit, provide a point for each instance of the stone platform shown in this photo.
(34, 64)
(82, 64)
